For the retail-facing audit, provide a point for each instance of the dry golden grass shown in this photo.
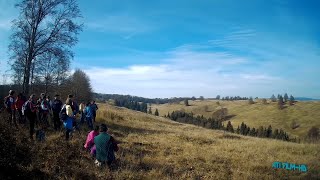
(306, 114)
(157, 148)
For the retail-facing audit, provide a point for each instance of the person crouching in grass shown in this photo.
(105, 146)
(90, 140)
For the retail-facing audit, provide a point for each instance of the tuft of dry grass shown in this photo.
(156, 148)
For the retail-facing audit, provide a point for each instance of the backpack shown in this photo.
(26, 108)
(62, 114)
(9, 100)
(44, 106)
(69, 111)
(56, 105)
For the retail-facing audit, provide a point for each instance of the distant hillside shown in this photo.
(155, 148)
(106, 97)
(305, 114)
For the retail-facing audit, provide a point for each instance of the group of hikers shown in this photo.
(37, 111)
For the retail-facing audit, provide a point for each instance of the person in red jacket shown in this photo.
(19, 103)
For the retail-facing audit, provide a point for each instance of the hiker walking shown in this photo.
(18, 104)
(89, 115)
(39, 112)
(71, 102)
(9, 103)
(105, 146)
(67, 116)
(56, 108)
(45, 110)
(94, 110)
(30, 108)
(81, 110)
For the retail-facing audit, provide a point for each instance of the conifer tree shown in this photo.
(285, 97)
(275, 135)
(264, 101)
(156, 112)
(273, 98)
(269, 132)
(260, 132)
(230, 127)
(291, 101)
(252, 132)
(280, 102)
(251, 100)
(186, 102)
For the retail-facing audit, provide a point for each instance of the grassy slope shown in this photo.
(305, 113)
(157, 148)
(160, 148)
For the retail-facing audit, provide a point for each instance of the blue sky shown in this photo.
(192, 48)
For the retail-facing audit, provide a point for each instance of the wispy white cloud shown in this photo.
(200, 69)
(183, 73)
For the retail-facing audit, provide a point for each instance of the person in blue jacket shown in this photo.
(67, 120)
(89, 115)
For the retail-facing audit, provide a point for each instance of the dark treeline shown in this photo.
(232, 98)
(263, 132)
(189, 118)
(129, 98)
(77, 84)
(134, 105)
(244, 129)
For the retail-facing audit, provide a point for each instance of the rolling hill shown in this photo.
(306, 114)
(155, 148)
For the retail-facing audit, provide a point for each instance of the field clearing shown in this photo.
(306, 114)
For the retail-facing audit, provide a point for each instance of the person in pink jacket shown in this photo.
(90, 138)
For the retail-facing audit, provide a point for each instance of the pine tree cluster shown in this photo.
(134, 105)
(263, 132)
(244, 129)
(189, 118)
(233, 98)
(106, 97)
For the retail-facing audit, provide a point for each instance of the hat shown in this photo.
(57, 95)
(11, 92)
(70, 96)
(103, 128)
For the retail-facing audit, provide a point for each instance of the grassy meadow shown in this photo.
(306, 114)
(157, 148)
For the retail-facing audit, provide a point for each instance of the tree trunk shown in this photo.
(27, 72)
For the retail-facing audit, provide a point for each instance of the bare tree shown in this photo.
(79, 85)
(43, 27)
(51, 68)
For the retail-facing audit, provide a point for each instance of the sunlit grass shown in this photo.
(306, 114)
(157, 148)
